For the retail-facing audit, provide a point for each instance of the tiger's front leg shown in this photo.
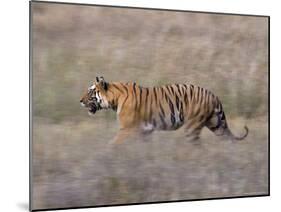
(134, 133)
(123, 135)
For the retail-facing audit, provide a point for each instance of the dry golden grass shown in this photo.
(75, 166)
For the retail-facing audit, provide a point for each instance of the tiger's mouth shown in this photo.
(94, 107)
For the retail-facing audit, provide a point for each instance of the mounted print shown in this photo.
(137, 105)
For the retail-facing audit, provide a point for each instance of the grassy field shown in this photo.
(73, 164)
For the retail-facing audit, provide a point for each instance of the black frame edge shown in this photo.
(268, 104)
(160, 202)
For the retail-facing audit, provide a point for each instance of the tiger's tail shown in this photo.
(218, 124)
(233, 137)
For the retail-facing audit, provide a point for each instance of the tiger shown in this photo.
(143, 110)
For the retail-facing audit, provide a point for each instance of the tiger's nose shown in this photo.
(81, 100)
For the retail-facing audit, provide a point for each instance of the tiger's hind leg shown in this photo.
(217, 124)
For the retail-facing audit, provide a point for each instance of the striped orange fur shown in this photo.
(168, 107)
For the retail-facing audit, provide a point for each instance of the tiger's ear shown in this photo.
(103, 83)
(99, 79)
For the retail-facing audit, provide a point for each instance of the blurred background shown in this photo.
(73, 165)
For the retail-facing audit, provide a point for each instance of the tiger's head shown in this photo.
(95, 98)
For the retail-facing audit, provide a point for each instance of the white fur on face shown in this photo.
(102, 101)
(92, 87)
(98, 96)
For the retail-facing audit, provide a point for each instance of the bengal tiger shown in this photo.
(168, 107)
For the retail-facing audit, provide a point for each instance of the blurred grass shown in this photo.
(73, 44)
(72, 163)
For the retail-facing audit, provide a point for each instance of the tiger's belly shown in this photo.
(161, 124)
